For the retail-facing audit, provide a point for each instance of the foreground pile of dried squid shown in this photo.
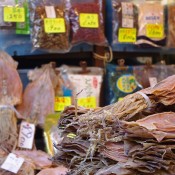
(135, 136)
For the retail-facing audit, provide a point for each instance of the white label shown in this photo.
(152, 81)
(12, 163)
(127, 9)
(50, 11)
(26, 135)
(127, 23)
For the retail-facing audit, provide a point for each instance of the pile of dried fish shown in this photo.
(112, 140)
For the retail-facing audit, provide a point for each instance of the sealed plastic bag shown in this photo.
(151, 24)
(125, 21)
(120, 81)
(87, 24)
(171, 26)
(50, 25)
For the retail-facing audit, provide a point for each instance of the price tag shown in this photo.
(152, 81)
(127, 35)
(88, 102)
(26, 135)
(89, 20)
(61, 103)
(154, 31)
(54, 25)
(12, 163)
(14, 14)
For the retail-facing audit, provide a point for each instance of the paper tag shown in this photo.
(154, 31)
(87, 102)
(127, 35)
(50, 11)
(26, 135)
(12, 163)
(61, 103)
(54, 25)
(14, 14)
(89, 20)
(152, 81)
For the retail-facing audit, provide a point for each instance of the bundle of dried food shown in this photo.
(38, 99)
(50, 25)
(102, 142)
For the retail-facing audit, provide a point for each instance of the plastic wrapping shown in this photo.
(3, 24)
(151, 30)
(171, 26)
(50, 25)
(125, 21)
(120, 81)
(87, 24)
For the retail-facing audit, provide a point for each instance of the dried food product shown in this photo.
(171, 27)
(11, 85)
(109, 141)
(50, 25)
(125, 20)
(120, 82)
(151, 24)
(87, 24)
(38, 99)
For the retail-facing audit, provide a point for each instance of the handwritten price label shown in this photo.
(89, 20)
(12, 163)
(127, 35)
(154, 31)
(61, 103)
(54, 25)
(26, 135)
(14, 14)
(88, 102)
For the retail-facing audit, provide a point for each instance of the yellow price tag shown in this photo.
(54, 25)
(14, 14)
(61, 103)
(127, 35)
(89, 20)
(154, 31)
(88, 102)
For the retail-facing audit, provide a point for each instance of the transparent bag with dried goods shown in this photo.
(125, 21)
(87, 22)
(50, 27)
(151, 24)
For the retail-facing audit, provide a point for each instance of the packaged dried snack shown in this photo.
(50, 25)
(120, 81)
(125, 21)
(151, 24)
(87, 24)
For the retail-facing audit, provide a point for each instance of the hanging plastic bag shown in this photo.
(87, 24)
(151, 32)
(125, 21)
(120, 81)
(50, 25)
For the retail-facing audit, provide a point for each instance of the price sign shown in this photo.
(54, 25)
(26, 135)
(127, 35)
(152, 81)
(14, 14)
(12, 163)
(154, 31)
(61, 103)
(89, 20)
(88, 102)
